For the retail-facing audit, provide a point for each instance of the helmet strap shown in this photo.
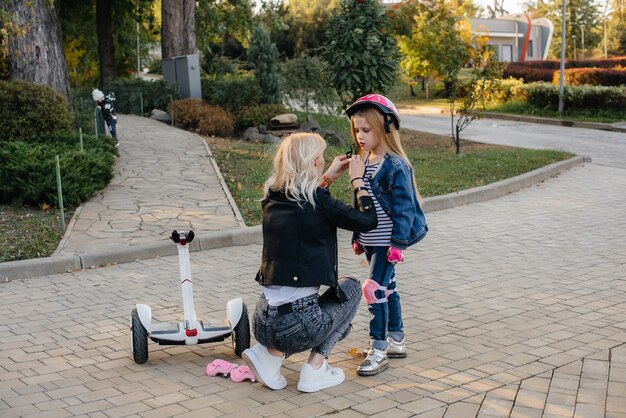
(387, 124)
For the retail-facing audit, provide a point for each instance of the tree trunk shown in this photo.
(106, 49)
(36, 50)
(178, 28)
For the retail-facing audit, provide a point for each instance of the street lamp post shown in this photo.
(574, 41)
(582, 41)
(562, 75)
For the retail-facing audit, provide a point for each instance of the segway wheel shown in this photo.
(241, 332)
(139, 339)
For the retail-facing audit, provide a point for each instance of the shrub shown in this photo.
(197, 116)
(28, 176)
(542, 95)
(592, 77)
(263, 55)
(528, 73)
(231, 94)
(129, 94)
(259, 114)
(29, 110)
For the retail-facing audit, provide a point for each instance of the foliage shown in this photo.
(531, 71)
(231, 93)
(582, 15)
(245, 166)
(576, 98)
(78, 20)
(27, 169)
(361, 54)
(264, 56)
(258, 115)
(304, 86)
(197, 116)
(592, 77)
(29, 110)
(130, 94)
(219, 21)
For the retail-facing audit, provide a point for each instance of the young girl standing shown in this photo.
(390, 181)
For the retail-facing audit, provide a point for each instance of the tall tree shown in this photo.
(178, 27)
(35, 47)
(106, 48)
(264, 57)
(616, 28)
(361, 54)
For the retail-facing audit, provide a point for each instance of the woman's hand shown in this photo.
(337, 167)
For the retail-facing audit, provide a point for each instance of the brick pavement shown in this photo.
(513, 307)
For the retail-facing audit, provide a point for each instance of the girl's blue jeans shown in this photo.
(314, 322)
(385, 316)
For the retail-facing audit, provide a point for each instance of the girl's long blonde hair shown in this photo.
(376, 122)
(294, 172)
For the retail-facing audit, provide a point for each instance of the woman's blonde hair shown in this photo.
(391, 139)
(294, 172)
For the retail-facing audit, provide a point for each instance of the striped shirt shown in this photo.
(381, 235)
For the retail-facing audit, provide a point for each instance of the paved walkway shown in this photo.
(513, 307)
(165, 179)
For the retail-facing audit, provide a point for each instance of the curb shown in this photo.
(23, 269)
(253, 235)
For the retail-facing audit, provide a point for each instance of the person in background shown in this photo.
(105, 103)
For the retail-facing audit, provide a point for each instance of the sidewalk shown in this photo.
(511, 309)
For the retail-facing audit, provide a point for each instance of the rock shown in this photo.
(305, 127)
(161, 116)
(269, 139)
(252, 134)
(315, 125)
(333, 138)
(284, 119)
(262, 129)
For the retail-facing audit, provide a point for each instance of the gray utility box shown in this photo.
(184, 72)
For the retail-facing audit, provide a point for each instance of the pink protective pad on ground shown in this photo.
(219, 367)
(241, 373)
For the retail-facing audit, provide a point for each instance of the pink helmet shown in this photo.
(379, 102)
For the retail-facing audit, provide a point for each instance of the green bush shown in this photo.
(197, 116)
(28, 176)
(129, 94)
(256, 115)
(231, 94)
(543, 95)
(29, 110)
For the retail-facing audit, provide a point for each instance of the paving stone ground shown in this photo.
(513, 307)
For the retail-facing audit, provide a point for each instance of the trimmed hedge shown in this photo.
(532, 71)
(231, 94)
(28, 176)
(528, 73)
(129, 94)
(29, 110)
(543, 95)
(592, 77)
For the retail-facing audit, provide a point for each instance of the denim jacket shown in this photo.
(392, 185)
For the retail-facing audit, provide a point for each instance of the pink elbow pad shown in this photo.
(395, 255)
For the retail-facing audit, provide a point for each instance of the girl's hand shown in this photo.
(337, 167)
(357, 248)
(357, 166)
(395, 255)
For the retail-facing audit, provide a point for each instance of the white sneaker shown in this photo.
(395, 349)
(265, 366)
(375, 362)
(312, 380)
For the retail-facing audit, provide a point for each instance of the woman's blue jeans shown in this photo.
(314, 322)
(386, 314)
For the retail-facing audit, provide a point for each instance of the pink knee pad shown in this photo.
(369, 289)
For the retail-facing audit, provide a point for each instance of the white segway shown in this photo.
(191, 330)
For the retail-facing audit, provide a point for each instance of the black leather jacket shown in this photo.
(300, 242)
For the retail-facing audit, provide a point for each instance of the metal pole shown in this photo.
(605, 50)
(95, 121)
(141, 102)
(80, 131)
(172, 108)
(562, 75)
(574, 40)
(58, 169)
(138, 57)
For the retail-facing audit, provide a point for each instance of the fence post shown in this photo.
(141, 104)
(60, 191)
(172, 108)
(95, 121)
(80, 131)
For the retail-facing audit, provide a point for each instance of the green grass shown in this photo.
(438, 170)
(27, 233)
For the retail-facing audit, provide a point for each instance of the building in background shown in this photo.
(516, 37)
